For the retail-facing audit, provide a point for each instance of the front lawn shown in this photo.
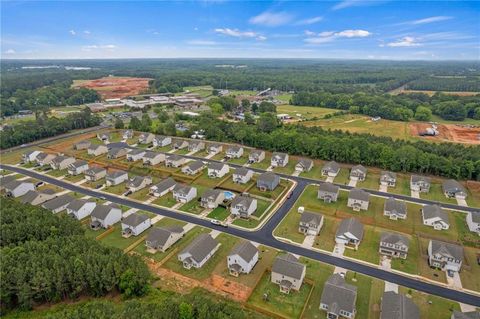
(166, 200)
(319, 273)
(431, 306)
(368, 248)
(219, 213)
(410, 264)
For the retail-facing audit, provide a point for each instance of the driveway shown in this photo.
(352, 182)
(130, 212)
(386, 263)
(383, 188)
(296, 173)
(415, 194)
(330, 179)
(155, 219)
(455, 281)
(462, 202)
(308, 241)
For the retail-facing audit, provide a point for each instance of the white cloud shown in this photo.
(271, 19)
(328, 36)
(353, 34)
(309, 21)
(261, 38)
(87, 32)
(240, 34)
(72, 32)
(355, 3)
(309, 33)
(428, 20)
(109, 47)
(201, 42)
(404, 42)
(10, 51)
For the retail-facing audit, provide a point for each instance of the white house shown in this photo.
(127, 134)
(242, 258)
(242, 175)
(174, 160)
(80, 208)
(30, 156)
(198, 252)
(358, 173)
(116, 177)
(162, 188)
(161, 141)
(193, 168)
(339, 298)
(445, 256)
(304, 165)
(234, 151)
(43, 159)
(288, 273)
(395, 209)
(138, 182)
(243, 206)
(62, 162)
(95, 173)
(146, 138)
(195, 146)
(214, 149)
(82, 145)
(310, 223)
(78, 167)
(420, 183)
(180, 144)
(104, 216)
(97, 150)
(183, 193)
(211, 198)
(217, 170)
(17, 188)
(330, 169)
(135, 155)
(358, 199)
(349, 232)
(153, 158)
(162, 238)
(435, 216)
(256, 156)
(388, 178)
(135, 224)
(279, 159)
(473, 222)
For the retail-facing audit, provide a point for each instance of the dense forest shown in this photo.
(47, 258)
(44, 126)
(402, 107)
(446, 83)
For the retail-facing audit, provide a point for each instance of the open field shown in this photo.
(431, 306)
(115, 87)
(306, 112)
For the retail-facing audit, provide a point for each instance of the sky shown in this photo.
(346, 29)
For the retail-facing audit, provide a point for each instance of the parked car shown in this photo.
(39, 184)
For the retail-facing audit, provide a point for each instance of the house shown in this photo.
(242, 175)
(163, 187)
(135, 155)
(288, 273)
(80, 208)
(358, 199)
(256, 156)
(217, 170)
(5, 179)
(279, 159)
(36, 197)
(16, 188)
(388, 178)
(243, 206)
(174, 160)
(195, 146)
(420, 183)
(328, 192)
(104, 216)
(116, 152)
(395, 209)
(349, 232)
(118, 145)
(304, 165)
(135, 224)
(116, 177)
(358, 173)
(198, 252)
(183, 193)
(338, 298)
(104, 137)
(146, 138)
(234, 151)
(473, 221)
(398, 306)
(453, 189)
(267, 181)
(95, 173)
(153, 158)
(393, 245)
(162, 238)
(180, 144)
(465, 315)
(214, 149)
(43, 159)
(97, 150)
(445, 256)
(82, 145)
(127, 134)
(61, 162)
(193, 168)
(78, 167)
(435, 216)
(211, 198)
(242, 258)
(330, 169)
(138, 182)
(162, 141)
(30, 156)
(310, 223)
(58, 204)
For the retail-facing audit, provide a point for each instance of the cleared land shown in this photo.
(115, 87)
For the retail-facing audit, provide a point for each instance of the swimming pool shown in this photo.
(229, 195)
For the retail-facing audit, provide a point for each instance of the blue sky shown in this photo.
(350, 29)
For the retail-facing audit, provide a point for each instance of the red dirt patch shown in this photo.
(449, 132)
(116, 87)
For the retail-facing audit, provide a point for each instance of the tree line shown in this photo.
(44, 126)
(49, 258)
(446, 83)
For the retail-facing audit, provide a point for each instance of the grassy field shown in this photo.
(115, 238)
(219, 213)
(431, 306)
(319, 273)
(166, 200)
(368, 249)
(306, 112)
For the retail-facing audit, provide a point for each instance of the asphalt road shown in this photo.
(264, 236)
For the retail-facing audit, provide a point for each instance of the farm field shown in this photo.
(307, 112)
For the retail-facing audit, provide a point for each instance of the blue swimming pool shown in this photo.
(229, 195)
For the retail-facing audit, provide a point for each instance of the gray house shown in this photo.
(393, 245)
(445, 256)
(358, 173)
(62, 162)
(242, 175)
(195, 146)
(420, 183)
(267, 181)
(43, 159)
(217, 170)
(36, 197)
(214, 149)
(395, 209)
(349, 232)
(161, 141)
(328, 192)
(58, 204)
(116, 152)
(435, 216)
(388, 178)
(96, 150)
(184, 193)
(153, 158)
(198, 252)
(162, 238)
(78, 167)
(256, 156)
(279, 159)
(288, 273)
(17, 188)
(135, 224)
(135, 155)
(330, 169)
(453, 189)
(146, 138)
(163, 187)
(116, 177)
(104, 216)
(139, 182)
(193, 168)
(234, 151)
(95, 173)
(180, 144)
(243, 206)
(82, 145)
(174, 160)
(310, 223)
(211, 198)
(338, 298)
(242, 258)
(304, 165)
(358, 199)
(398, 306)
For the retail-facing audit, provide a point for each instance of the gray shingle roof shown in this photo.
(447, 249)
(137, 181)
(134, 219)
(14, 184)
(245, 249)
(359, 168)
(331, 167)
(359, 194)
(278, 155)
(115, 174)
(165, 184)
(256, 153)
(4, 180)
(244, 201)
(211, 194)
(466, 315)
(150, 154)
(241, 171)
(76, 204)
(398, 306)
(94, 170)
(138, 151)
(397, 206)
(394, 238)
(58, 202)
(78, 163)
(328, 187)
(388, 175)
(432, 211)
(29, 197)
(195, 165)
(305, 162)
(200, 247)
(452, 186)
(233, 149)
(117, 145)
(419, 178)
(475, 217)
(182, 189)
(311, 218)
(174, 157)
(101, 211)
(215, 166)
(267, 177)
(351, 225)
(339, 295)
(158, 236)
(288, 265)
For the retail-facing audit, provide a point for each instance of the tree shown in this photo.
(267, 122)
(267, 107)
(119, 123)
(185, 311)
(451, 110)
(249, 119)
(423, 113)
(162, 115)
(135, 124)
(216, 108)
(245, 104)
(131, 284)
(215, 92)
(254, 107)
(146, 122)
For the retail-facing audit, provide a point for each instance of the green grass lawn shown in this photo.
(364, 288)
(219, 213)
(319, 273)
(227, 242)
(316, 171)
(411, 263)
(74, 178)
(272, 194)
(289, 168)
(262, 206)
(372, 181)
(343, 176)
(206, 181)
(286, 305)
(436, 194)
(246, 223)
(241, 160)
(265, 163)
(192, 207)
(307, 112)
(402, 186)
(236, 187)
(376, 293)
(470, 272)
(117, 189)
(368, 248)
(142, 194)
(57, 173)
(424, 268)
(431, 306)
(166, 200)
(115, 238)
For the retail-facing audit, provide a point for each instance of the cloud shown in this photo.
(93, 47)
(309, 33)
(428, 20)
(240, 34)
(72, 32)
(328, 36)
(10, 51)
(355, 3)
(271, 19)
(201, 42)
(309, 21)
(404, 42)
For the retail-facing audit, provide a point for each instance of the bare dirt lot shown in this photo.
(449, 132)
(115, 87)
